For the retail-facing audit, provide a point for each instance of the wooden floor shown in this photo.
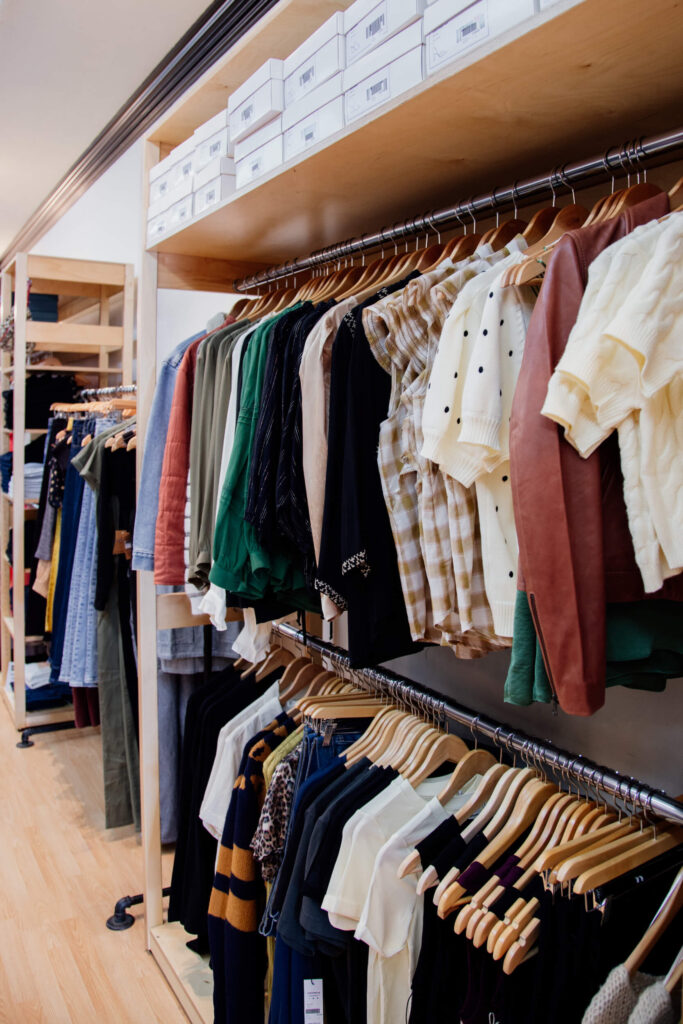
(60, 874)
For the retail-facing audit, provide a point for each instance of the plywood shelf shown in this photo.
(69, 368)
(559, 84)
(66, 337)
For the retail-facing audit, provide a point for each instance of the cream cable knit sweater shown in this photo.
(623, 367)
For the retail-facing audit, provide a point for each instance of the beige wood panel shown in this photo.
(276, 34)
(73, 368)
(47, 286)
(86, 271)
(574, 83)
(74, 337)
(175, 611)
(60, 875)
(198, 274)
(188, 974)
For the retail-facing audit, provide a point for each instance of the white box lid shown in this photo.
(334, 26)
(356, 12)
(219, 165)
(313, 100)
(443, 10)
(210, 127)
(174, 157)
(271, 69)
(258, 138)
(405, 40)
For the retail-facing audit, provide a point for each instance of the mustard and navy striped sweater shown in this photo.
(238, 952)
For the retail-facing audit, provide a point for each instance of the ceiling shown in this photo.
(65, 69)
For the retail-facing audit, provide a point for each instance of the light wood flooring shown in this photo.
(61, 873)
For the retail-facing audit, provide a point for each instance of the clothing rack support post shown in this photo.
(19, 421)
(147, 618)
(5, 508)
(570, 175)
(650, 801)
(35, 730)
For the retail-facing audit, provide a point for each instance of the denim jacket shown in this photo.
(150, 478)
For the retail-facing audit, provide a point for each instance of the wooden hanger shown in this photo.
(298, 679)
(385, 720)
(632, 196)
(676, 195)
(539, 225)
(469, 916)
(482, 793)
(504, 233)
(406, 738)
(671, 906)
(535, 257)
(445, 748)
(501, 802)
(655, 843)
(503, 934)
(474, 762)
(526, 808)
(279, 658)
(462, 246)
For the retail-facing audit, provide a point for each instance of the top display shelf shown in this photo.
(541, 93)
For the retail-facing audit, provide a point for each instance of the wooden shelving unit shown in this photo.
(575, 78)
(100, 342)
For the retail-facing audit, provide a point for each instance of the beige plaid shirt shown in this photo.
(433, 518)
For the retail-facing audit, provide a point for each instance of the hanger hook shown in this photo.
(470, 204)
(432, 220)
(552, 188)
(473, 729)
(567, 183)
(460, 221)
(514, 198)
(496, 739)
(608, 167)
(494, 203)
(642, 155)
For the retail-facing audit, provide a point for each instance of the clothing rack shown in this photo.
(416, 698)
(626, 159)
(124, 389)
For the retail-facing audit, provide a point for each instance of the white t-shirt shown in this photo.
(364, 834)
(231, 741)
(391, 919)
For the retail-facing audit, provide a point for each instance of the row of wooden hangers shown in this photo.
(574, 843)
(126, 438)
(541, 233)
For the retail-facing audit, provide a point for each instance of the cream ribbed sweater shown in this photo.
(617, 998)
(623, 368)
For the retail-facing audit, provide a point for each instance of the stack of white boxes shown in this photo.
(214, 167)
(352, 64)
(255, 112)
(194, 176)
(384, 53)
(170, 192)
(453, 27)
(314, 106)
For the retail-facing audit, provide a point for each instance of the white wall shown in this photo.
(105, 223)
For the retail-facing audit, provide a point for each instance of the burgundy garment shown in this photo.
(86, 706)
(575, 548)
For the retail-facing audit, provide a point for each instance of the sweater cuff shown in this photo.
(480, 430)
(503, 617)
(463, 464)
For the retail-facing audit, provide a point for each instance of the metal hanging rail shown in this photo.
(627, 159)
(414, 697)
(123, 389)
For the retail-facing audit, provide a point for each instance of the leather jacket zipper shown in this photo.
(539, 634)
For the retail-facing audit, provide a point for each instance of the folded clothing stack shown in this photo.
(33, 478)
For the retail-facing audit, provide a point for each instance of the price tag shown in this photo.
(313, 1001)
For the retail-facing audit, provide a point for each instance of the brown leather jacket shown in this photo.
(169, 538)
(575, 548)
